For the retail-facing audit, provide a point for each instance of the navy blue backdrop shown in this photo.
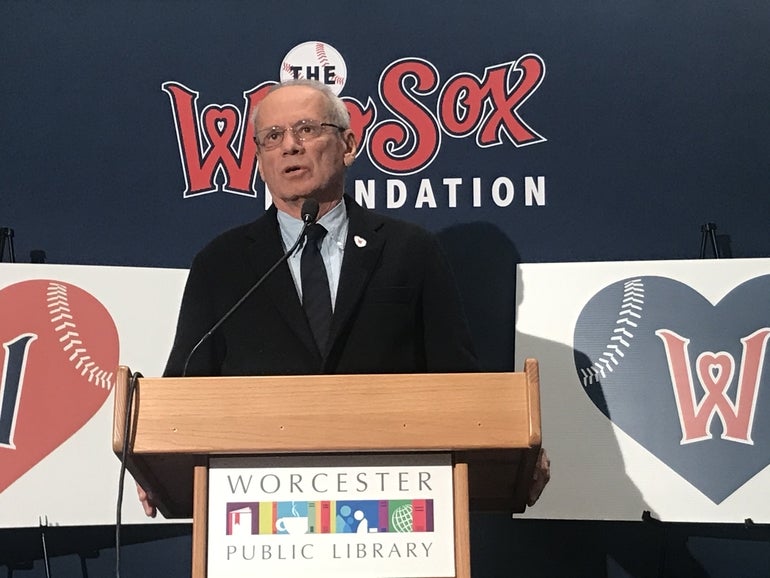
(655, 116)
(654, 119)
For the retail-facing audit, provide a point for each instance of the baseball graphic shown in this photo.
(620, 334)
(685, 377)
(318, 61)
(59, 360)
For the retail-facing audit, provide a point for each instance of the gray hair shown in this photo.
(336, 109)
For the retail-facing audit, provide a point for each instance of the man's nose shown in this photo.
(291, 142)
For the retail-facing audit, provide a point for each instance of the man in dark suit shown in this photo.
(396, 308)
(392, 306)
(395, 305)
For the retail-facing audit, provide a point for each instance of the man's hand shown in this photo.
(147, 504)
(540, 477)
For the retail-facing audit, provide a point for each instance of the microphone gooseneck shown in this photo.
(309, 214)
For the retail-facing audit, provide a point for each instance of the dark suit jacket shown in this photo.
(397, 308)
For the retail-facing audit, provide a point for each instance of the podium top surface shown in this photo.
(176, 422)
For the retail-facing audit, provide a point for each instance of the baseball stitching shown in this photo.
(287, 69)
(65, 327)
(320, 52)
(630, 310)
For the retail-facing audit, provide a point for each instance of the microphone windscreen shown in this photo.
(309, 211)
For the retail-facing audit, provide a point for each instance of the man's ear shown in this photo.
(351, 146)
(259, 164)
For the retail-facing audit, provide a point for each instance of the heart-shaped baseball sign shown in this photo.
(59, 359)
(685, 378)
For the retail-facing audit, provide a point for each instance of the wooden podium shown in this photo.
(490, 422)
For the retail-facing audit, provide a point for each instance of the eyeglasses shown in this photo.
(303, 131)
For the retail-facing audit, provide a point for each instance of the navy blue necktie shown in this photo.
(316, 297)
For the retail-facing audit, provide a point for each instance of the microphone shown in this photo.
(309, 215)
(309, 212)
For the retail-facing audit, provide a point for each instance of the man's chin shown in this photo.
(292, 195)
(321, 196)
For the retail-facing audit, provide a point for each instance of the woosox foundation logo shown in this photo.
(217, 149)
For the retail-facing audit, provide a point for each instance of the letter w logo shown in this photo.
(219, 141)
(715, 374)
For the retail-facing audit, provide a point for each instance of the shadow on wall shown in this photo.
(484, 261)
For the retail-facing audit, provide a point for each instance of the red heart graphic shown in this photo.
(715, 371)
(58, 361)
(222, 121)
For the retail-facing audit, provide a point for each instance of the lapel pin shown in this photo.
(359, 241)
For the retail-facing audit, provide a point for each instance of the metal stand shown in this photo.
(708, 231)
(43, 526)
(6, 235)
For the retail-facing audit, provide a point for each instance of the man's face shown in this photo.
(296, 170)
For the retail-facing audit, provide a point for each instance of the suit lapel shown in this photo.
(362, 252)
(264, 250)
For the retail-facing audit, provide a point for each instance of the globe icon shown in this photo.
(402, 518)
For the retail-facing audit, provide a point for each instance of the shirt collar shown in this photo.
(335, 222)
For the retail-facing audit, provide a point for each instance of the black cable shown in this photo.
(124, 454)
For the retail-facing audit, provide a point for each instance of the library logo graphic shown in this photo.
(329, 517)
